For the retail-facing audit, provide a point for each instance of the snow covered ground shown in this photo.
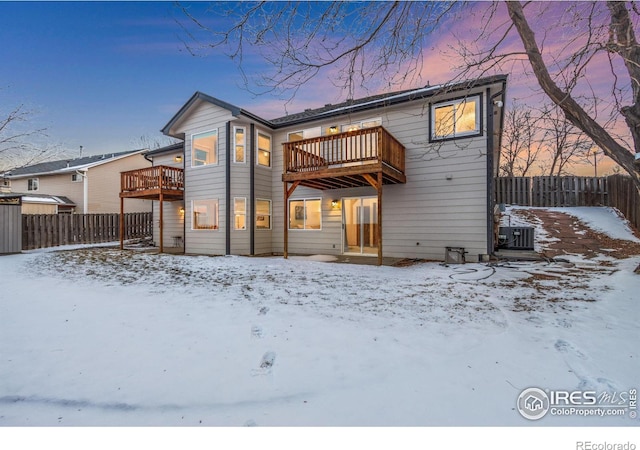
(100, 337)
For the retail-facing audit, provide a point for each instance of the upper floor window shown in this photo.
(367, 123)
(264, 149)
(204, 148)
(239, 139)
(295, 136)
(32, 184)
(76, 177)
(456, 118)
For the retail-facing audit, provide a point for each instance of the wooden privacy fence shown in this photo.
(624, 196)
(552, 191)
(51, 230)
(617, 191)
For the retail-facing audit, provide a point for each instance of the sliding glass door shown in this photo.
(360, 225)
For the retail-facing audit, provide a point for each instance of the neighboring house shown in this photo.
(92, 183)
(43, 203)
(405, 174)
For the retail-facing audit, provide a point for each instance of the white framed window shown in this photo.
(305, 214)
(456, 118)
(33, 184)
(264, 149)
(367, 123)
(6, 183)
(239, 213)
(239, 144)
(204, 148)
(295, 136)
(263, 214)
(205, 214)
(76, 178)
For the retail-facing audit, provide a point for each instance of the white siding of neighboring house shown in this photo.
(104, 186)
(205, 182)
(421, 217)
(54, 185)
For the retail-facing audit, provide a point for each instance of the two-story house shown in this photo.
(90, 184)
(405, 174)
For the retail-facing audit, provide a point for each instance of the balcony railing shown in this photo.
(369, 145)
(152, 181)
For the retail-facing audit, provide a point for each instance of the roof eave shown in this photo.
(200, 96)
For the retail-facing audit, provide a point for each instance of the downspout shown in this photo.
(84, 173)
(252, 190)
(490, 162)
(227, 169)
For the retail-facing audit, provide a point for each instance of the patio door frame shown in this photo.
(373, 219)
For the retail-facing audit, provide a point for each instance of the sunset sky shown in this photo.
(102, 75)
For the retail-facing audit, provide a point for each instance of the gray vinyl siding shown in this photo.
(419, 218)
(205, 182)
(443, 203)
(173, 220)
(240, 187)
(173, 224)
(264, 191)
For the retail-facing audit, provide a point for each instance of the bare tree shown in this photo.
(375, 45)
(522, 141)
(153, 142)
(21, 145)
(565, 145)
(618, 41)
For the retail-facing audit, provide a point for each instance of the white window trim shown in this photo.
(304, 200)
(258, 133)
(258, 214)
(78, 178)
(235, 145)
(476, 132)
(217, 214)
(195, 135)
(245, 213)
(37, 184)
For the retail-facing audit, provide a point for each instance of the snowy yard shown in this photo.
(102, 337)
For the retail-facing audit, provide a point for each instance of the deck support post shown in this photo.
(287, 193)
(121, 223)
(379, 227)
(161, 223)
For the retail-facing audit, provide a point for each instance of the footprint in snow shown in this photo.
(567, 348)
(266, 363)
(256, 331)
(263, 311)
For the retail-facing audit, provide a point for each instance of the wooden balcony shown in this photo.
(153, 183)
(344, 160)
